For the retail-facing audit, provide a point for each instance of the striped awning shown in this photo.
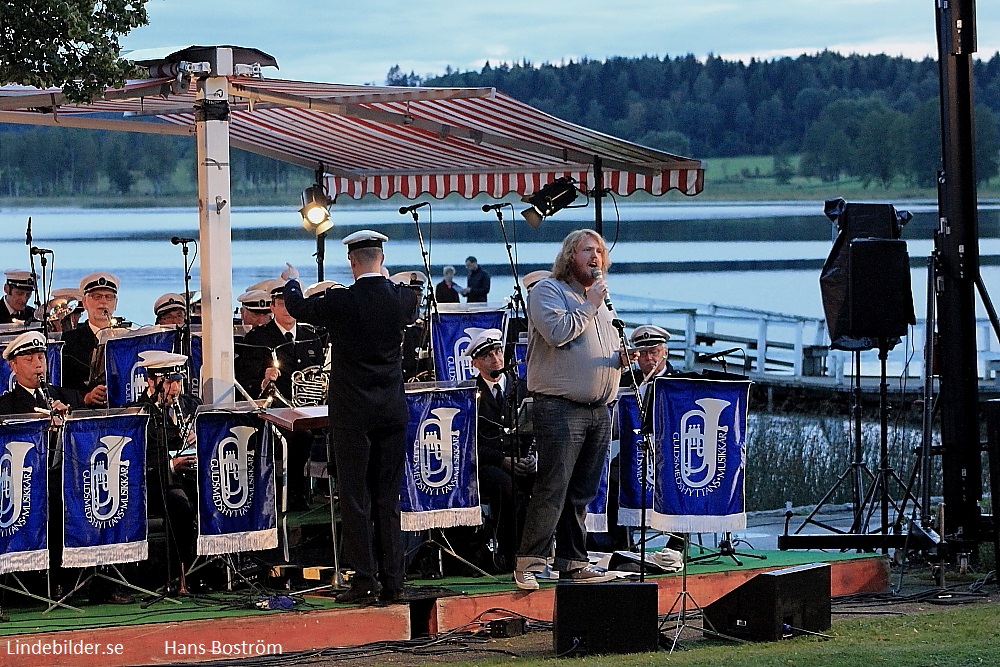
(383, 141)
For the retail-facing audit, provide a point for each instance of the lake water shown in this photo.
(134, 244)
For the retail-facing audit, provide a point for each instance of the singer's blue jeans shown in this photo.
(572, 441)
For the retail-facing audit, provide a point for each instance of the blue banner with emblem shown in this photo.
(597, 509)
(441, 477)
(699, 435)
(104, 490)
(236, 489)
(630, 459)
(23, 496)
(453, 329)
(126, 380)
(53, 363)
(521, 359)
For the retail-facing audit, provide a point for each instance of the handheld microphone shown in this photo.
(403, 210)
(715, 355)
(40, 251)
(177, 240)
(493, 207)
(500, 371)
(598, 274)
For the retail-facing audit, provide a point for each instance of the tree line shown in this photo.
(872, 117)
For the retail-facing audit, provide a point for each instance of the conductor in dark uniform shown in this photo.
(368, 412)
(100, 298)
(266, 359)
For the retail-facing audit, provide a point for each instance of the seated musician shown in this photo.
(26, 357)
(267, 358)
(100, 298)
(171, 488)
(255, 307)
(17, 289)
(169, 309)
(506, 466)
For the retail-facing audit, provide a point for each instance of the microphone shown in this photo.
(27, 234)
(40, 251)
(598, 274)
(493, 207)
(177, 240)
(701, 358)
(500, 371)
(403, 210)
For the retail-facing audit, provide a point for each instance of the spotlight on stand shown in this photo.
(315, 214)
(554, 197)
(315, 209)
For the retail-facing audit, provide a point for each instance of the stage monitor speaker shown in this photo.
(875, 221)
(773, 605)
(603, 618)
(880, 300)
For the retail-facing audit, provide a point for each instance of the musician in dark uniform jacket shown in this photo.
(17, 290)
(502, 459)
(171, 489)
(368, 412)
(100, 298)
(26, 357)
(296, 346)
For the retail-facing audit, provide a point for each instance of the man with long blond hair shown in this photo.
(574, 367)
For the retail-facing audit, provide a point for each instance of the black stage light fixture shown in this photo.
(315, 209)
(554, 197)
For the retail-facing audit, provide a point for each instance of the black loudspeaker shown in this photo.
(880, 300)
(773, 605)
(605, 618)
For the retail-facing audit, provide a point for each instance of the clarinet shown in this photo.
(43, 389)
(183, 423)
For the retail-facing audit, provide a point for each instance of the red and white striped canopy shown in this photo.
(383, 141)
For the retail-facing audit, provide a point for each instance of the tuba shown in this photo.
(700, 435)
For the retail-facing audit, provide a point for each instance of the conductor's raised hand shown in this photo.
(290, 272)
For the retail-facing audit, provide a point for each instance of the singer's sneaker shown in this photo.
(586, 575)
(525, 580)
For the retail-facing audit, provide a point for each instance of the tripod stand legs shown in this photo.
(727, 550)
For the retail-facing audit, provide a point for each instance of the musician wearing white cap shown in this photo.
(100, 298)
(170, 454)
(368, 411)
(169, 309)
(267, 358)
(649, 346)
(17, 289)
(255, 307)
(502, 460)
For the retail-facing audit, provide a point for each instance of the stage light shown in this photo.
(551, 199)
(315, 209)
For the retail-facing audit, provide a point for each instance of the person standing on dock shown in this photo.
(574, 367)
(477, 285)
(368, 411)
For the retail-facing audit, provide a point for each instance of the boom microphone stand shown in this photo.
(186, 332)
(430, 306)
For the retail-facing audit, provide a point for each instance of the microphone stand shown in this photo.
(517, 308)
(430, 306)
(186, 331)
(646, 449)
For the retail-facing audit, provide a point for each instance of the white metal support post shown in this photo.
(215, 230)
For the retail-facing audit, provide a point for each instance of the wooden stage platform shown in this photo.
(231, 626)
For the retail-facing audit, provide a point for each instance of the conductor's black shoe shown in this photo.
(356, 595)
(392, 596)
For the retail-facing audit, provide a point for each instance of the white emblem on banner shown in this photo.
(105, 482)
(15, 487)
(232, 472)
(436, 458)
(136, 382)
(463, 369)
(699, 460)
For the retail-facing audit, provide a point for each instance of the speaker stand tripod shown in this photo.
(684, 607)
(726, 550)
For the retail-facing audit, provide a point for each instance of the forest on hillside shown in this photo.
(870, 117)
